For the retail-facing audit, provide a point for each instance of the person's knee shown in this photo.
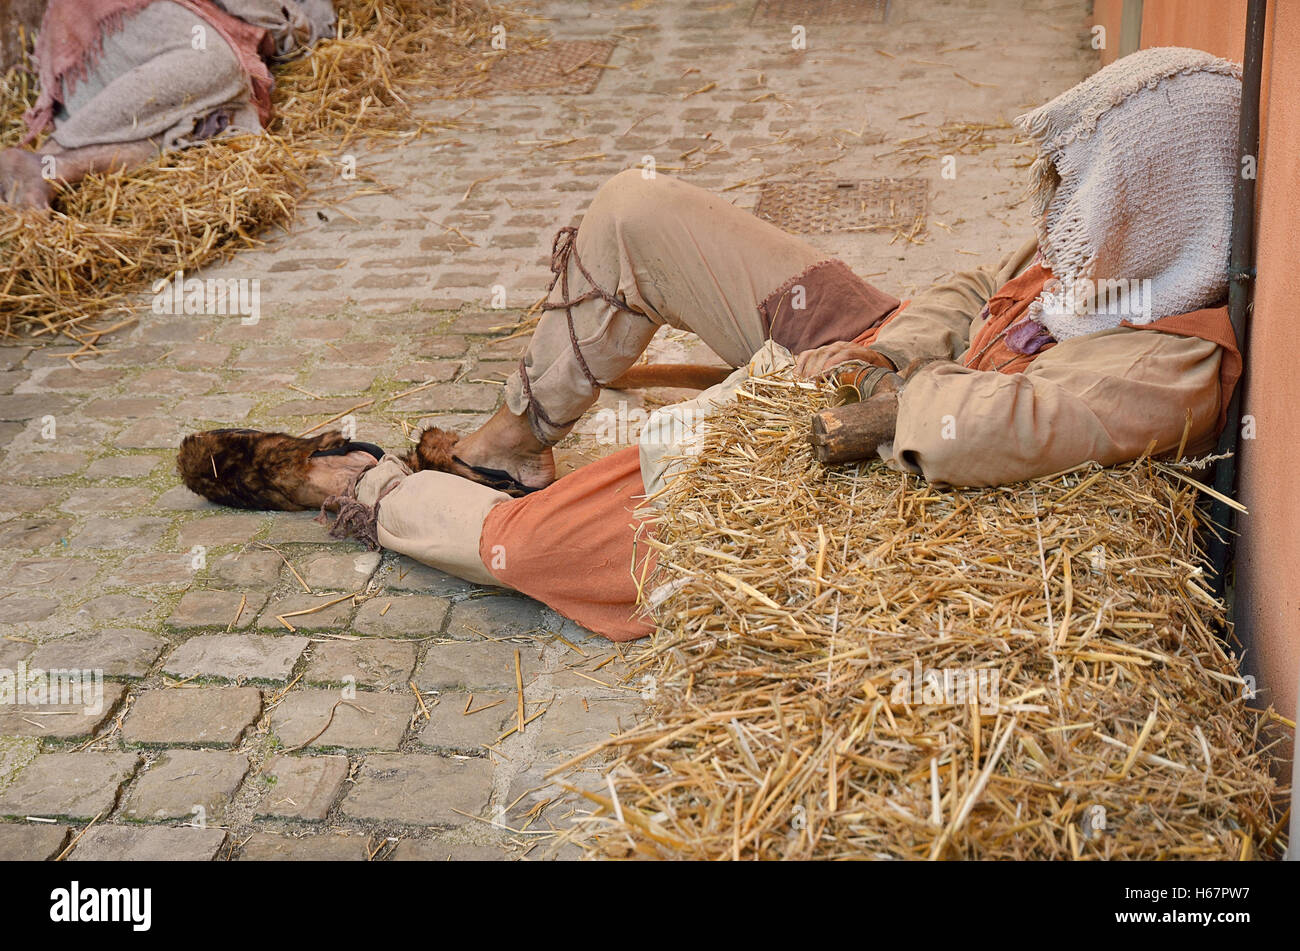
(629, 198)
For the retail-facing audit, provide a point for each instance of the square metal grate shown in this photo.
(881, 204)
(820, 11)
(568, 67)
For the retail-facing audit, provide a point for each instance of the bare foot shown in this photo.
(330, 476)
(507, 442)
(21, 183)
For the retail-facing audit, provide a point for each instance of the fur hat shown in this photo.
(248, 469)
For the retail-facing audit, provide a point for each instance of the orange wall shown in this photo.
(1215, 25)
(1110, 14)
(1268, 566)
(1268, 551)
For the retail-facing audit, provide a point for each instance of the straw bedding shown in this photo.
(807, 619)
(113, 235)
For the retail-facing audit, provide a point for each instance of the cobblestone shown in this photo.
(437, 850)
(406, 575)
(464, 721)
(306, 612)
(327, 847)
(118, 653)
(216, 609)
(420, 790)
(73, 785)
(246, 569)
(367, 663)
(207, 716)
(237, 657)
(143, 844)
(371, 721)
(213, 530)
(302, 787)
(338, 571)
(495, 616)
(573, 723)
(414, 615)
(476, 665)
(31, 842)
(63, 721)
(186, 784)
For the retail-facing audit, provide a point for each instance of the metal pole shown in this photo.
(1242, 273)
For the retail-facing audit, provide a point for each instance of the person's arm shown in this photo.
(936, 324)
(1101, 398)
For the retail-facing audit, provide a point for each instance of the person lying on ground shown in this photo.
(1023, 372)
(123, 80)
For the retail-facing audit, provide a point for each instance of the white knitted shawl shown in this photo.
(1132, 190)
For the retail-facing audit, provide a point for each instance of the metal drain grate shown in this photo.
(820, 11)
(881, 204)
(564, 67)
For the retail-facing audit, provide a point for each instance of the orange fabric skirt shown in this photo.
(573, 546)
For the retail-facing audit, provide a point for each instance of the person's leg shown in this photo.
(667, 253)
(574, 546)
(570, 545)
(329, 477)
(26, 177)
(431, 516)
(22, 184)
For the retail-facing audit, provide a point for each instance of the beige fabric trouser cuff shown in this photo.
(434, 517)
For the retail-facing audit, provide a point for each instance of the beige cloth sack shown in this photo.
(1132, 190)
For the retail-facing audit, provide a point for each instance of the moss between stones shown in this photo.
(15, 753)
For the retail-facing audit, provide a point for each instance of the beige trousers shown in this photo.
(434, 517)
(676, 255)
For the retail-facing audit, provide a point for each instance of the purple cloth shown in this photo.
(1027, 336)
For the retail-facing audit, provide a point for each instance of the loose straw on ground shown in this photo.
(113, 236)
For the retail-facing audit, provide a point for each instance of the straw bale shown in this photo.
(852, 663)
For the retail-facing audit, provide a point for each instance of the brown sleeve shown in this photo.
(936, 324)
(1100, 398)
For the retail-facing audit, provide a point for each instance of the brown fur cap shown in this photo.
(247, 469)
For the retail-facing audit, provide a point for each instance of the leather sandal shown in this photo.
(436, 450)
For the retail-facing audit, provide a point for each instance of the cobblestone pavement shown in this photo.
(380, 725)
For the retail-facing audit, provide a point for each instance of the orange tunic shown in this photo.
(572, 545)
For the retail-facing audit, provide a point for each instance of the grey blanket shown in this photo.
(155, 80)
